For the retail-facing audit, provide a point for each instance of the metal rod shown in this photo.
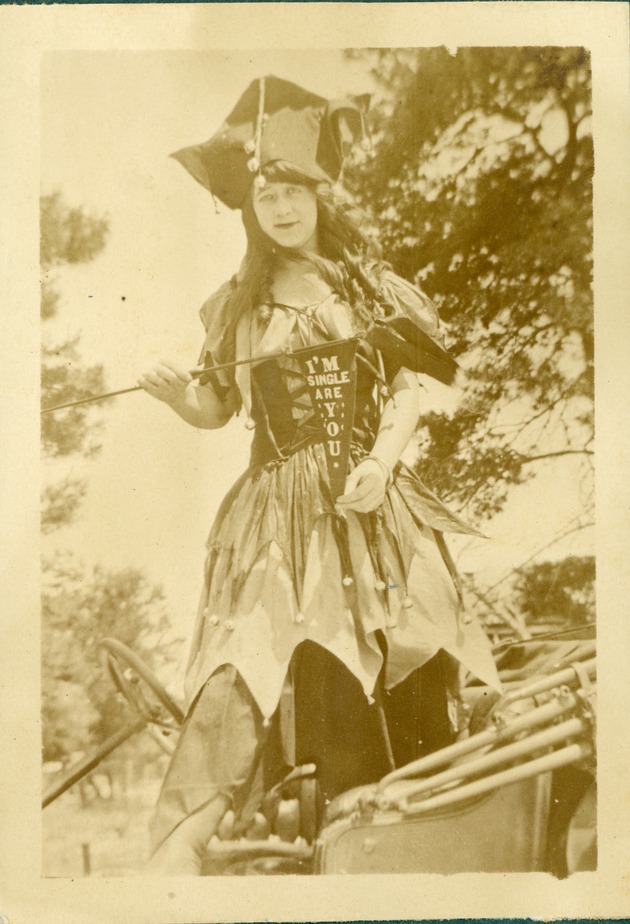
(81, 769)
(198, 372)
(546, 738)
(561, 758)
(538, 716)
(561, 678)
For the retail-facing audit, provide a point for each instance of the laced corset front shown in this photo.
(284, 415)
(305, 313)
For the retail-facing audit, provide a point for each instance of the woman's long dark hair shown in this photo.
(348, 259)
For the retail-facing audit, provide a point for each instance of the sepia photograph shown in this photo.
(395, 644)
(319, 540)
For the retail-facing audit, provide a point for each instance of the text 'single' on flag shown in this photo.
(330, 374)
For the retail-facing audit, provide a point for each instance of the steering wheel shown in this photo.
(144, 692)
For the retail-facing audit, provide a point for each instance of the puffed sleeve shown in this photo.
(411, 302)
(219, 342)
(411, 335)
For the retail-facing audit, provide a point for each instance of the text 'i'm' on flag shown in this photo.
(330, 373)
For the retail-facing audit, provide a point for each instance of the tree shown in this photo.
(67, 236)
(81, 607)
(480, 188)
(552, 593)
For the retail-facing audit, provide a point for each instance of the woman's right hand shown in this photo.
(166, 381)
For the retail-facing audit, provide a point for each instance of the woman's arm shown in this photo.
(366, 484)
(200, 407)
(196, 404)
(399, 419)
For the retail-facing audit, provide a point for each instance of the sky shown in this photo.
(109, 120)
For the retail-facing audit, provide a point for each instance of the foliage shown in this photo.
(67, 236)
(557, 592)
(79, 609)
(64, 379)
(60, 502)
(480, 187)
(67, 716)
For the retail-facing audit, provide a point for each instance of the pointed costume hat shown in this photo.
(275, 120)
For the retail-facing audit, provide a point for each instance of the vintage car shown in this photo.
(516, 792)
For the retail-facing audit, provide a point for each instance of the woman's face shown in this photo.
(287, 213)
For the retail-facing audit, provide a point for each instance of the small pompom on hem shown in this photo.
(380, 585)
(347, 581)
(407, 603)
(298, 618)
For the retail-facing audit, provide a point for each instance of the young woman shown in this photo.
(330, 628)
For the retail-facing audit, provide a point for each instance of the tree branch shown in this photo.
(557, 538)
(560, 452)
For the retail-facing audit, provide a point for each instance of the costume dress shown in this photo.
(364, 600)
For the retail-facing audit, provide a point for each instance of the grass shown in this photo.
(106, 837)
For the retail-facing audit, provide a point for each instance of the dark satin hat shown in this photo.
(276, 120)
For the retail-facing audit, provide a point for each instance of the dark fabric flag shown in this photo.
(331, 377)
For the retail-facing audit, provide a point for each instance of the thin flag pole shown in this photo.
(198, 372)
(92, 398)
